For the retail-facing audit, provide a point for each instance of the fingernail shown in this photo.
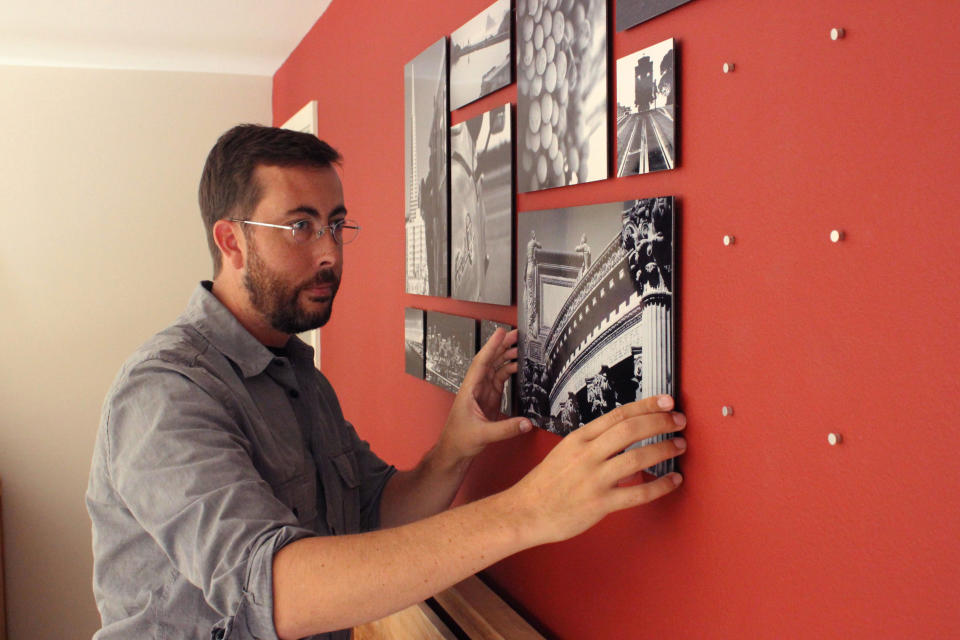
(664, 402)
(677, 479)
(525, 425)
(679, 419)
(680, 443)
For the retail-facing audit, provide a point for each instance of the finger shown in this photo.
(633, 430)
(505, 429)
(626, 497)
(486, 357)
(629, 464)
(651, 404)
(504, 372)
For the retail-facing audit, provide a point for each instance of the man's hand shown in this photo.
(582, 479)
(474, 420)
(473, 423)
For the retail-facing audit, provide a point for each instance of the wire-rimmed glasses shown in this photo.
(302, 231)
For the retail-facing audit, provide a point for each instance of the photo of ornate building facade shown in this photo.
(596, 325)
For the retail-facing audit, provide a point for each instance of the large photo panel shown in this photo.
(595, 312)
(562, 120)
(481, 208)
(426, 126)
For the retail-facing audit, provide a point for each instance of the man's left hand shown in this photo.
(475, 419)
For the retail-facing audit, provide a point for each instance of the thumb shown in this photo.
(509, 428)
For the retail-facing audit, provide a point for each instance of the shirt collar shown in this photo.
(225, 333)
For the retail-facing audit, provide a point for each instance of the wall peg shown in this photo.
(727, 411)
(836, 235)
(728, 240)
(836, 33)
(834, 439)
(728, 67)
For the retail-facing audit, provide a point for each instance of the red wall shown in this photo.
(775, 533)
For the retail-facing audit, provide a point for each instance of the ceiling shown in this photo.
(251, 37)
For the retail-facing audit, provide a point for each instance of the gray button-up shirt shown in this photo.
(212, 454)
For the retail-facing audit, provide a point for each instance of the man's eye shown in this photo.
(300, 226)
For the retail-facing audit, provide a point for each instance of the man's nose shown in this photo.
(326, 249)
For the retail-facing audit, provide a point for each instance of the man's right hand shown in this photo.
(582, 479)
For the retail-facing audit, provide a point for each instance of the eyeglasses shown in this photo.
(344, 231)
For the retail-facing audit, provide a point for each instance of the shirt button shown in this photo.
(294, 393)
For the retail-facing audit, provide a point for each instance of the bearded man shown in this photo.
(230, 498)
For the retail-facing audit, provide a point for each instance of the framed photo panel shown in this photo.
(562, 121)
(480, 55)
(630, 13)
(646, 110)
(481, 208)
(596, 311)
(427, 124)
(451, 345)
(487, 328)
(414, 333)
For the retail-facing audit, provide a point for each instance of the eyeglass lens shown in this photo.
(344, 232)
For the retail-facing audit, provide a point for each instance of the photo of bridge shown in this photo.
(480, 55)
(595, 311)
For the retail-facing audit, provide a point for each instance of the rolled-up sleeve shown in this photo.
(181, 463)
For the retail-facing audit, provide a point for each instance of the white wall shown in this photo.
(101, 245)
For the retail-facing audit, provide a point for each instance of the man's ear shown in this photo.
(231, 243)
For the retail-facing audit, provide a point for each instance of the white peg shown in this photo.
(836, 33)
(727, 411)
(836, 235)
(728, 67)
(834, 439)
(728, 240)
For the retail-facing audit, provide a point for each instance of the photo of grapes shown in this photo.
(562, 121)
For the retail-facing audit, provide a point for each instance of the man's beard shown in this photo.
(279, 302)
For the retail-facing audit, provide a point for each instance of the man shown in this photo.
(230, 498)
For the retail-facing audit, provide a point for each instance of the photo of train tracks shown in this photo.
(646, 110)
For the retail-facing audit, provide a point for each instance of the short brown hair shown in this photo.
(227, 186)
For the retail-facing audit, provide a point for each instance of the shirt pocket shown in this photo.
(341, 489)
(299, 494)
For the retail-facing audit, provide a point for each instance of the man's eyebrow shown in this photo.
(313, 213)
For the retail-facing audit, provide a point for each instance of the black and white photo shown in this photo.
(630, 13)
(451, 345)
(487, 329)
(562, 121)
(413, 338)
(481, 208)
(595, 312)
(646, 110)
(480, 55)
(426, 128)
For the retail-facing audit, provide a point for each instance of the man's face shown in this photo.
(293, 285)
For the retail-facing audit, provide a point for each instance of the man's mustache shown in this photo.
(325, 276)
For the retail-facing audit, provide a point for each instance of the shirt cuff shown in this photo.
(253, 618)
